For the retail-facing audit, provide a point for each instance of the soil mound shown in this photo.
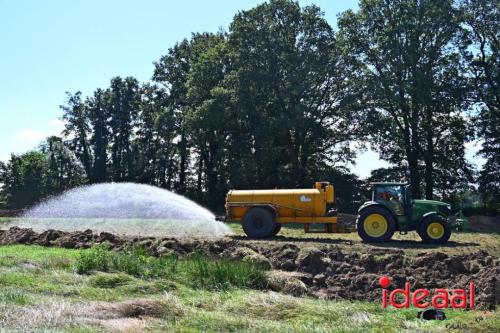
(324, 272)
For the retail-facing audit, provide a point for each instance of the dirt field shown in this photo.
(323, 266)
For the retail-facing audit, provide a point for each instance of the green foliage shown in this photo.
(488, 210)
(481, 52)
(25, 179)
(96, 258)
(278, 100)
(198, 270)
(34, 175)
(413, 81)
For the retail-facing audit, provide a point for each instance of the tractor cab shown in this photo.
(392, 208)
(394, 196)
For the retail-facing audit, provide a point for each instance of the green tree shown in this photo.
(98, 114)
(64, 170)
(124, 103)
(154, 148)
(25, 179)
(210, 120)
(171, 71)
(414, 87)
(482, 18)
(76, 117)
(290, 81)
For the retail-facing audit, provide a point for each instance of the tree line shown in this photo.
(282, 99)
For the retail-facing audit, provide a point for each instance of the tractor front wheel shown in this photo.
(375, 224)
(259, 223)
(434, 229)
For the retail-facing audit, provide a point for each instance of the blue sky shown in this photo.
(49, 47)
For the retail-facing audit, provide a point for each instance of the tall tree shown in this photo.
(290, 83)
(99, 113)
(77, 126)
(482, 19)
(172, 71)
(411, 72)
(124, 99)
(211, 119)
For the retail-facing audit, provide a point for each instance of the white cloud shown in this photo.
(29, 135)
(56, 127)
(33, 136)
(4, 158)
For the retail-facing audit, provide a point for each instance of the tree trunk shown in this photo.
(429, 158)
(183, 164)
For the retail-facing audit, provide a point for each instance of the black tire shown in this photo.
(369, 213)
(425, 226)
(259, 223)
(277, 228)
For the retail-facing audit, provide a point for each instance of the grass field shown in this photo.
(40, 290)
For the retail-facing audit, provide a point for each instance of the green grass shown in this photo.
(15, 296)
(195, 270)
(37, 293)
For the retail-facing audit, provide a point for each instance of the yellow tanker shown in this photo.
(262, 212)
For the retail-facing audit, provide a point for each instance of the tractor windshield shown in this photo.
(393, 195)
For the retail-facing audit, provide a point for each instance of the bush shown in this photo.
(97, 258)
(490, 210)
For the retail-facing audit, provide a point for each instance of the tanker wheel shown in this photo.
(277, 229)
(259, 223)
(375, 224)
(434, 229)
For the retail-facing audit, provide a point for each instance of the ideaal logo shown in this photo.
(422, 298)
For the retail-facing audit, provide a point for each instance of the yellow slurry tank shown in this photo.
(263, 211)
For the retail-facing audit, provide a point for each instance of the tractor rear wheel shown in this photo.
(375, 224)
(259, 223)
(434, 229)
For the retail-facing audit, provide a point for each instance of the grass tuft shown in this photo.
(109, 280)
(15, 297)
(196, 270)
(97, 258)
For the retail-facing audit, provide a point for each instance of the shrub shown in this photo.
(491, 210)
(97, 258)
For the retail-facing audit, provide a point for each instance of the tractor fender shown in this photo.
(367, 204)
(374, 203)
(429, 214)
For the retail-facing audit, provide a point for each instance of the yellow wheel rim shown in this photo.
(435, 230)
(375, 225)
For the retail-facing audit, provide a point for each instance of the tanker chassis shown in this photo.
(262, 212)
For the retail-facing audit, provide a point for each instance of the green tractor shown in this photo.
(393, 209)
